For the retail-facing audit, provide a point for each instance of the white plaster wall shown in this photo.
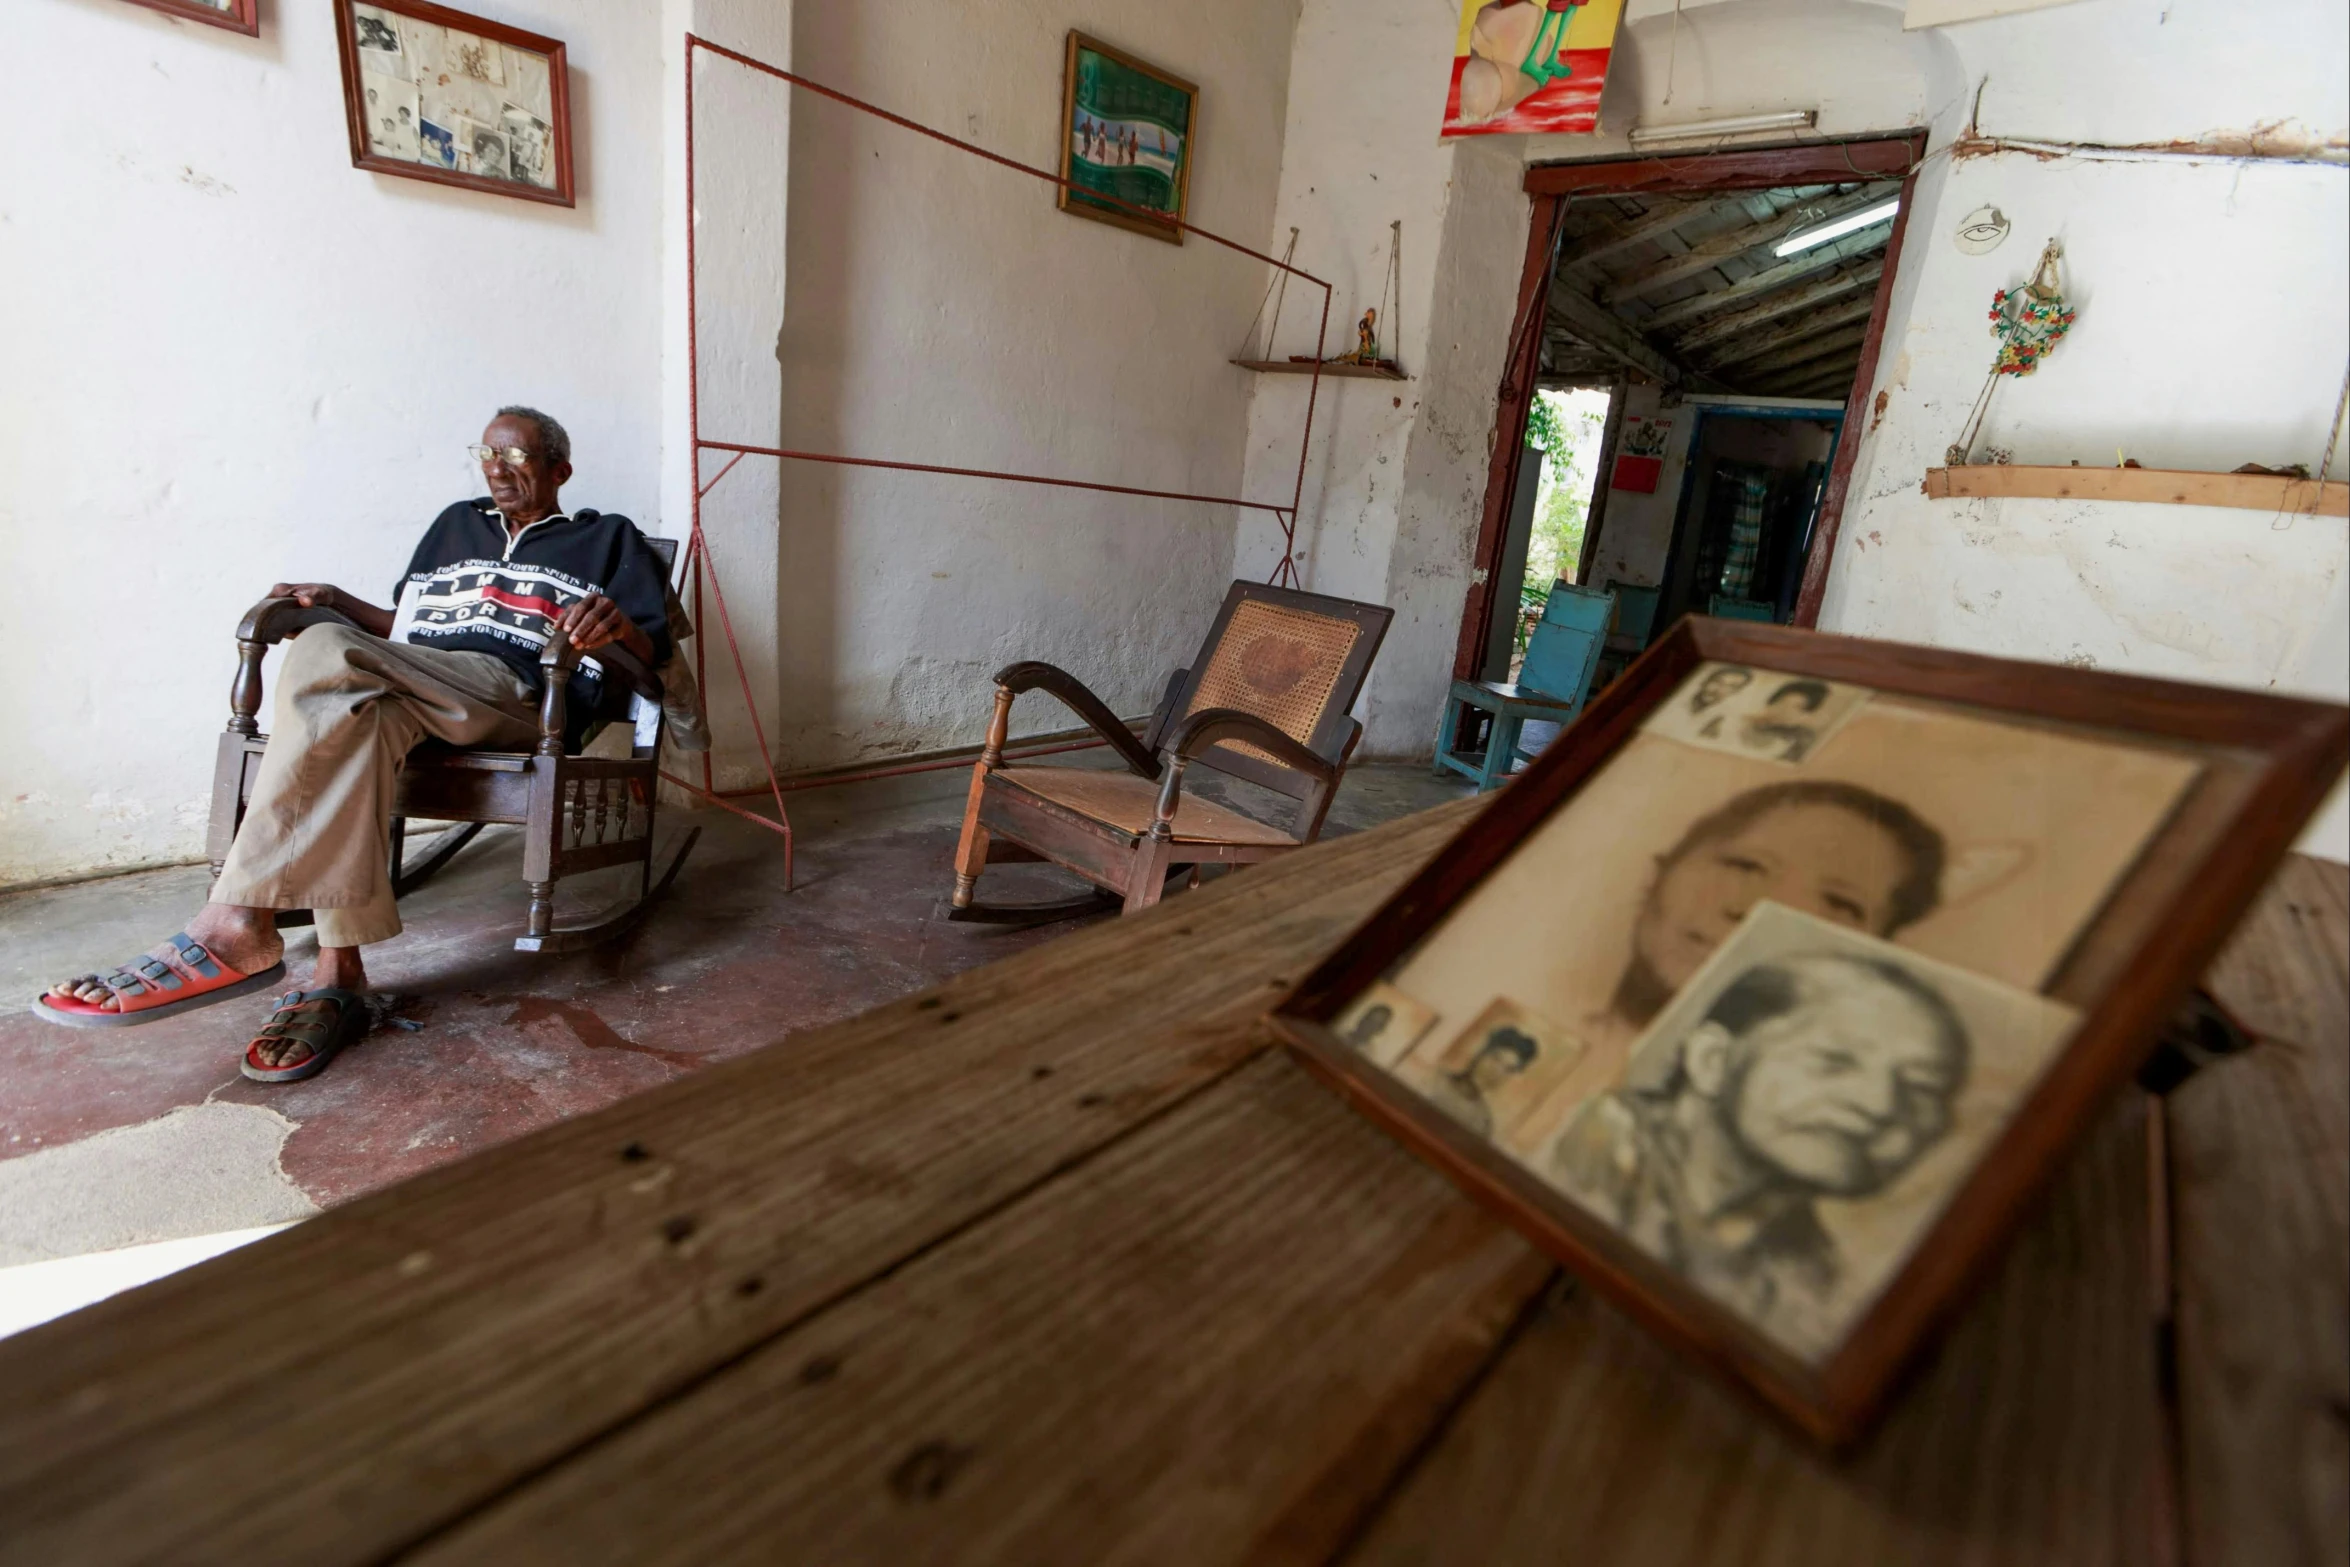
(227, 358)
(742, 147)
(1396, 469)
(1637, 532)
(2214, 330)
(942, 311)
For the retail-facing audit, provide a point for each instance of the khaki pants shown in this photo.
(349, 708)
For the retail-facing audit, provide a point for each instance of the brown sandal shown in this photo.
(302, 1016)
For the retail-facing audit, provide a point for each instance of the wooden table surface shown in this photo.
(1066, 1262)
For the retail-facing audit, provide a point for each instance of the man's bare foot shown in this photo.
(338, 968)
(244, 939)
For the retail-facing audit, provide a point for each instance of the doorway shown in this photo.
(1733, 303)
(1549, 521)
(1749, 502)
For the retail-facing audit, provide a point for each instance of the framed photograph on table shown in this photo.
(238, 16)
(1127, 134)
(1772, 993)
(435, 94)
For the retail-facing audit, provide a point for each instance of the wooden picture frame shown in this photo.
(505, 92)
(1129, 171)
(237, 16)
(2263, 764)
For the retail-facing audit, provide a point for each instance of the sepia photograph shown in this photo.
(438, 95)
(528, 148)
(485, 154)
(1384, 1024)
(392, 120)
(379, 43)
(1799, 1114)
(1984, 842)
(1747, 712)
(1496, 1071)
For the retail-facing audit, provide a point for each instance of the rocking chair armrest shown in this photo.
(1036, 675)
(266, 623)
(556, 662)
(631, 671)
(274, 620)
(1213, 726)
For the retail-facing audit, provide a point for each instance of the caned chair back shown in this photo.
(1295, 660)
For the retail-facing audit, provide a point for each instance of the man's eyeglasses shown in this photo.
(511, 456)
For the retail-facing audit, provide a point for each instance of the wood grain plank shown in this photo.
(2034, 1436)
(2260, 1193)
(1212, 1343)
(2166, 486)
(336, 1391)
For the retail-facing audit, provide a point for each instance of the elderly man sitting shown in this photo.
(455, 660)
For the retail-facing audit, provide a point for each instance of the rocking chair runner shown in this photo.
(1266, 700)
(579, 813)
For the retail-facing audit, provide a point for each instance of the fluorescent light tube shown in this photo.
(1742, 125)
(1850, 223)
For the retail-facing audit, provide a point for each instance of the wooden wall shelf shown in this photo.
(2164, 486)
(1329, 367)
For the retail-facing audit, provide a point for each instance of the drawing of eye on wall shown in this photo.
(439, 95)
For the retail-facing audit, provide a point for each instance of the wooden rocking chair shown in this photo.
(578, 813)
(1266, 700)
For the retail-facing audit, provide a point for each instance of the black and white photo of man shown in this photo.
(489, 154)
(1753, 713)
(1811, 1076)
(1720, 684)
(1789, 722)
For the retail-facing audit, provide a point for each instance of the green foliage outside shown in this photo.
(1566, 426)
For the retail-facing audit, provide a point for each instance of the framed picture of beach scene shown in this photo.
(439, 95)
(238, 16)
(1770, 996)
(1127, 134)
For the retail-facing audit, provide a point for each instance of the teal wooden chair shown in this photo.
(1635, 613)
(1722, 607)
(1551, 686)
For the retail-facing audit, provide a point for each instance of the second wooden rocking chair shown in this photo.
(1266, 700)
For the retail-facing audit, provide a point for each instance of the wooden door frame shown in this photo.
(1550, 187)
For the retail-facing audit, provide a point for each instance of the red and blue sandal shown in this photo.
(303, 1017)
(148, 988)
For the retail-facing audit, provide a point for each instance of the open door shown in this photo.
(1737, 299)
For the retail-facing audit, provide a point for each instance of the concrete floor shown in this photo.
(118, 1138)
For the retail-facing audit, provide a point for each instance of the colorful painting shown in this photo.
(1524, 66)
(1128, 135)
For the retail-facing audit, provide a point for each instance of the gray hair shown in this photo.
(554, 440)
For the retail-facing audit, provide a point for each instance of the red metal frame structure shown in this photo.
(697, 548)
(1551, 186)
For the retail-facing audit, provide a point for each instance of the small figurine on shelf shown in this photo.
(1366, 341)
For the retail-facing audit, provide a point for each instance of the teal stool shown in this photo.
(1551, 686)
(1635, 612)
(1723, 607)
